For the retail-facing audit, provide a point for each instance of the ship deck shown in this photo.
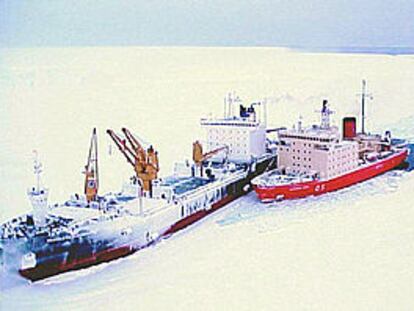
(276, 178)
(75, 213)
(182, 185)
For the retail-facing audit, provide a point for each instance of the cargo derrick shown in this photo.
(72, 235)
(199, 157)
(144, 162)
(91, 170)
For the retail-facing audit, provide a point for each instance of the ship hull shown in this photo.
(47, 269)
(318, 187)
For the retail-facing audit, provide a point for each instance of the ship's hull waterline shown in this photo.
(318, 187)
(48, 269)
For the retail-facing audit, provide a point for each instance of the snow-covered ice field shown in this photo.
(348, 250)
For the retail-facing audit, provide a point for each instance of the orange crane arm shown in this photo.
(141, 155)
(121, 144)
(91, 170)
(199, 156)
(213, 152)
(133, 141)
(152, 159)
(144, 162)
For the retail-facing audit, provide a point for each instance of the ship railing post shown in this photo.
(141, 209)
(140, 203)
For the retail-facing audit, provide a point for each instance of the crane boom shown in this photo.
(132, 140)
(140, 153)
(213, 152)
(144, 162)
(91, 170)
(121, 144)
(199, 156)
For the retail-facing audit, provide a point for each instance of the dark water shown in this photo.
(361, 50)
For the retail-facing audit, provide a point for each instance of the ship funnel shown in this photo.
(349, 127)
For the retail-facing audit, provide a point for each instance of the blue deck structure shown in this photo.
(184, 184)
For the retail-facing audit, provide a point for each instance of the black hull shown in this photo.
(82, 256)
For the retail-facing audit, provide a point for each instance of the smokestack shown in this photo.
(349, 128)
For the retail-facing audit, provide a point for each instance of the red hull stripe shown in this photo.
(44, 271)
(317, 187)
(198, 215)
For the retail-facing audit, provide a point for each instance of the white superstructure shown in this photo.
(38, 196)
(318, 149)
(242, 129)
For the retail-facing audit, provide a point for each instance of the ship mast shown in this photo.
(325, 115)
(37, 167)
(38, 195)
(91, 170)
(363, 96)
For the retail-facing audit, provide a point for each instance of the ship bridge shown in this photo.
(318, 148)
(242, 129)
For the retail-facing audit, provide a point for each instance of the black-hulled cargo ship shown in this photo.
(91, 229)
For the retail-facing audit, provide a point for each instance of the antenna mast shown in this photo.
(37, 167)
(363, 106)
(363, 96)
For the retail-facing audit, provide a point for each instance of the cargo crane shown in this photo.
(144, 162)
(91, 170)
(199, 157)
